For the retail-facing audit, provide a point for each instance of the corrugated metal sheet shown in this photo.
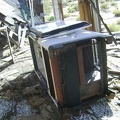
(22, 10)
(16, 9)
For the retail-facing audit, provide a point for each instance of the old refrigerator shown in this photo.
(70, 62)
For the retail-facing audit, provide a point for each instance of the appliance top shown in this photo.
(53, 28)
(59, 40)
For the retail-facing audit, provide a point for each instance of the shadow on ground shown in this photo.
(24, 98)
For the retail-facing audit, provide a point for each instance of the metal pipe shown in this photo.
(31, 12)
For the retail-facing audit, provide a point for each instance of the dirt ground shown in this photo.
(23, 98)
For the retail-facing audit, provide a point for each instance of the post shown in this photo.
(96, 17)
(57, 8)
(86, 12)
(31, 12)
(61, 8)
(38, 6)
(4, 29)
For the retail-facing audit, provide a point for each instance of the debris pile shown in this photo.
(21, 94)
(16, 21)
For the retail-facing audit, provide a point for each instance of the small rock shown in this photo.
(48, 115)
(36, 101)
(32, 90)
(89, 111)
(111, 96)
(9, 95)
(6, 86)
(31, 117)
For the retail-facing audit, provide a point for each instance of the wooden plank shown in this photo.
(61, 8)
(9, 73)
(81, 65)
(57, 82)
(86, 13)
(90, 90)
(114, 72)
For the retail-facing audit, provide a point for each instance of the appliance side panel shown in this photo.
(70, 75)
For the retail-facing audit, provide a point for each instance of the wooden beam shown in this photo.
(96, 17)
(38, 6)
(57, 81)
(61, 8)
(81, 66)
(5, 30)
(86, 13)
(57, 9)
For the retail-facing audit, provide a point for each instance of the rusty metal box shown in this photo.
(70, 62)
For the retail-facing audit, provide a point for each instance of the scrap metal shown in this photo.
(16, 16)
